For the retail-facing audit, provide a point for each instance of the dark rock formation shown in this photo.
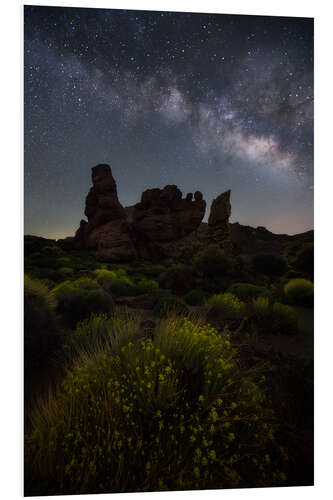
(218, 222)
(107, 231)
(164, 216)
(162, 224)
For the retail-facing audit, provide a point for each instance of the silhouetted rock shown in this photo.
(218, 222)
(107, 231)
(162, 224)
(164, 216)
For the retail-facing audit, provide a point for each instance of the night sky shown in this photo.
(207, 102)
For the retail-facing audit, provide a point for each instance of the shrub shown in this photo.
(273, 318)
(101, 332)
(293, 274)
(45, 273)
(153, 270)
(211, 262)
(168, 304)
(261, 307)
(178, 278)
(269, 264)
(78, 299)
(39, 321)
(64, 261)
(246, 291)
(146, 286)
(176, 413)
(299, 292)
(305, 261)
(284, 319)
(66, 272)
(226, 303)
(116, 282)
(195, 297)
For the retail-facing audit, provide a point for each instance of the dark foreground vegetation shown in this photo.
(177, 374)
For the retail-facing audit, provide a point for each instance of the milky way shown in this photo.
(204, 101)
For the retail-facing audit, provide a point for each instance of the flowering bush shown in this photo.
(173, 413)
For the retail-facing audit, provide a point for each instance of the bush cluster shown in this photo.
(173, 413)
(299, 292)
(273, 318)
(211, 262)
(78, 299)
(115, 282)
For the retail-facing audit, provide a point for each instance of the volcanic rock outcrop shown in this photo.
(154, 227)
(164, 216)
(107, 231)
(218, 222)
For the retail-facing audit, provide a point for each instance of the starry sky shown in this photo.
(209, 102)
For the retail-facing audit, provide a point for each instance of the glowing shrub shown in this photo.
(261, 307)
(101, 332)
(146, 285)
(299, 292)
(115, 282)
(226, 303)
(173, 413)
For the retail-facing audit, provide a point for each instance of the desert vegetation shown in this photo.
(165, 376)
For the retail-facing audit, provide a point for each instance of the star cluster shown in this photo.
(204, 101)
